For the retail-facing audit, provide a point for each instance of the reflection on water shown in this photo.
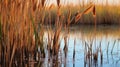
(85, 47)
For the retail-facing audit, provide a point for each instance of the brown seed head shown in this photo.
(43, 2)
(94, 11)
(58, 3)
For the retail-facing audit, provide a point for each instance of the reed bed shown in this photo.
(22, 24)
(20, 33)
(103, 13)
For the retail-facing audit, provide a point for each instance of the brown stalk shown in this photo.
(6, 3)
(56, 40)
(69, 15)
(49, 41)
(12, 56)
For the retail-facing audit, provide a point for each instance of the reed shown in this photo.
(74, 50)
(58, 3)
(43, 2)
(65, 46)
(107, 47)
(78, 17)
(92, 56)
(101, 53)
(56, 44)
(18, 31)
(98, 11)
(113, 46)
(69, 17)
(58, 27)
(22, 29)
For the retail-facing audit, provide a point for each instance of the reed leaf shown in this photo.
(89, 9)
(77, 18)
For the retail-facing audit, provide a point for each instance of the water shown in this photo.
(107, 36)
(86, 46)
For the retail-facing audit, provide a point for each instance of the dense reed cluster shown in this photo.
(22, 30)
(104, 14)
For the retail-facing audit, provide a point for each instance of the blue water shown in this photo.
(80, 36)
